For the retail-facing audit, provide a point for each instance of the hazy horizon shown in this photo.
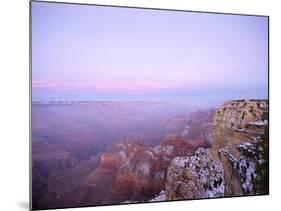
(96, 53)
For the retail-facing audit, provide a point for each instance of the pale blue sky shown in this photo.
(106, 53)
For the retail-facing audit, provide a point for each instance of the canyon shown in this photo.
(202, 153)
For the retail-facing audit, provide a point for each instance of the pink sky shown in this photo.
(94, 52)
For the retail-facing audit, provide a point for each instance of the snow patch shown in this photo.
(122, 155)
(167, 150)
(160, 197)
(260, 122)
(209, 171)
(159, 174)
(144, 168)
(151, 154)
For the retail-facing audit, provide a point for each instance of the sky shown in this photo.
(84, 52)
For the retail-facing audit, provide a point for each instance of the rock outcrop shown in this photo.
(240, 142)
(237, 162)
(195, 177)
(142, 173)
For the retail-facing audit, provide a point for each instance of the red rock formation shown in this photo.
(110, 160)
(142, 172)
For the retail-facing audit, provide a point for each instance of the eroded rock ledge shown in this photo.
(194, 177)
(237, 162)
(240, 141)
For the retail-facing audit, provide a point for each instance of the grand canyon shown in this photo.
(134, 105)
(96, 153)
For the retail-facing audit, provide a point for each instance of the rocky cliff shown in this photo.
(194, 177)
(240, 142)
(236, 164)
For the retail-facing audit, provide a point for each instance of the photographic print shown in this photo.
(134, 105)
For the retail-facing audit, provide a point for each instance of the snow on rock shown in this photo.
(197, 176)
(129, 202)
(260, 122)
(151, 154)
(122, 155)
(160, 197)
(245, 169)
(245, 162)
(144, 168)
(127, 164)
(159, 174)
(167, 150)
